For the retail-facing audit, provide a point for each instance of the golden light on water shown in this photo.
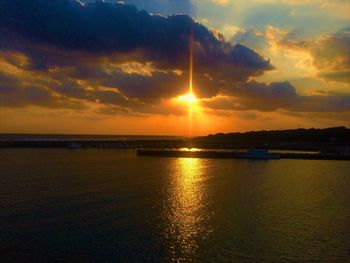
(190, 149)
(185, 202)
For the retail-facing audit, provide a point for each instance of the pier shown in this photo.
(235, 154)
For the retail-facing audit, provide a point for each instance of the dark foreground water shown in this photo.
(111, 206)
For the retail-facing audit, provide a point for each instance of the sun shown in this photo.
(190, 98)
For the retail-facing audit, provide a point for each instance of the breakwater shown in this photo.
(235, 154)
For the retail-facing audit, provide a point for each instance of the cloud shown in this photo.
(332, 56)
(106, 28)
(275, 96)
(340, 76)
(165, 7)
(15, 96)
(251, 38)
(113, 54)
(330, 53)
(326, 57)
(117, 59)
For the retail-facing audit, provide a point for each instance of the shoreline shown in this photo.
(175, 148)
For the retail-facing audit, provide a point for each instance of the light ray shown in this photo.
(191, 66)
(191, 97)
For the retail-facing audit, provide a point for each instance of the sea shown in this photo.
(91, 205)
(79, 137)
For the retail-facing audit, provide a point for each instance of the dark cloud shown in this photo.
(267, 97)
(15, 92)
(106, 28)
(278, 95)
(8, 81)
(164, 7)
(15, 96)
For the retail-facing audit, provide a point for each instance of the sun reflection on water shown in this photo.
(185, 203)
(190, 150)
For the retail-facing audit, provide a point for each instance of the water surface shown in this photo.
(111, 206)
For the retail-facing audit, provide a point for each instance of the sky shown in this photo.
(123, 67)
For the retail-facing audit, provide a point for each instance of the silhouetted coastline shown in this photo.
(331, 143)
(327, 135)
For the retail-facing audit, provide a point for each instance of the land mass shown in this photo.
(303, 139)
(331, 140)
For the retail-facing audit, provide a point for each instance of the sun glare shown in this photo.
(189, 98)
